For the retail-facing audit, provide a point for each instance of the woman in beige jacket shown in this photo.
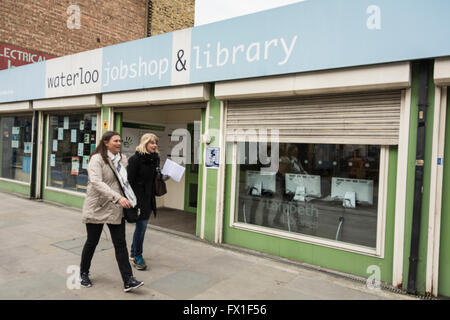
(104, 203)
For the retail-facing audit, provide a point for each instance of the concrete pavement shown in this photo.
(41, 243)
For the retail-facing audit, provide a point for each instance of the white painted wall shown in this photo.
(175, 190)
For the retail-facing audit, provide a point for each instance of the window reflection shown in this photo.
(71, 140)
(16, 147)
(324, 190)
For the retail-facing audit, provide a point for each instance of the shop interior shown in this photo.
(323, 190)
(178, 129)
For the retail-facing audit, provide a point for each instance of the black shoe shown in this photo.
(139, 263)
(131, 284)
(84, 280)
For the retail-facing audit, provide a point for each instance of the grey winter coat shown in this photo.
(103, 192)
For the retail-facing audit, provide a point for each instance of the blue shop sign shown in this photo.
(307, 36)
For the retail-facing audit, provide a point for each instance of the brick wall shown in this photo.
(171, 15)
(42, 24)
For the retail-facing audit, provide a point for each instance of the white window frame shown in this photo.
(378, 251)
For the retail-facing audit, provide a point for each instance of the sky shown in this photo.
(207, 11)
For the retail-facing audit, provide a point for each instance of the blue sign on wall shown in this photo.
(306, 36)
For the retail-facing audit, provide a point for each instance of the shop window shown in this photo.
(16, 147)
(71, 140)
(328, 191)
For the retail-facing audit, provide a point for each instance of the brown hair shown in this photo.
(101, 147)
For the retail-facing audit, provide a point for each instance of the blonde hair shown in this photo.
(145, 139)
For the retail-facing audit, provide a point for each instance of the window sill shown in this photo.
(15, 181)
(73, 193)
(309, 239)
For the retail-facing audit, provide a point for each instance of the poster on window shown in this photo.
(14, 143)
(81, 125)
(66, 122)
(52, 160)
(55, 145)
(80, 149)
(15, 130)
(85, 162)
(27, 147)
(212, 157)
(94, 123)
(73, 135)
(75, 166)
(60, 134)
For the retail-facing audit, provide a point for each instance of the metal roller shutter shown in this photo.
(361, 118)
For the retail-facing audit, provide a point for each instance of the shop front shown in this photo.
(292, 145)
(312, 172)
(71, 128)
(437, 274)
(440, 274)
(175, 116)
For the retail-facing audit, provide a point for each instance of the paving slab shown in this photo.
(183, 284)
(33, 287)
(41, 244)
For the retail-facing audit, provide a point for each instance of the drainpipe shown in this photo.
(418, 183)
(149, 17)
(34, 151)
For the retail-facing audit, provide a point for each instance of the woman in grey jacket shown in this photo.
(104, 203)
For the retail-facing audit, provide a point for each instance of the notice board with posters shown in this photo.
(169, 139)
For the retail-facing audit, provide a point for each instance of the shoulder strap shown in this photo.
(115, 174)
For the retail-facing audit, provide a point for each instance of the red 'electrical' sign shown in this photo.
(12, 56)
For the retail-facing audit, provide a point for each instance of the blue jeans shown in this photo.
(138, 238)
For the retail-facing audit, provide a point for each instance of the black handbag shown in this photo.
(160, 184)
(131, 215)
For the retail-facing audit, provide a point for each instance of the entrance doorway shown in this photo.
(178, 130)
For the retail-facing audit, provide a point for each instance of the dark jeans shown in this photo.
(94, 232)
(138, 238)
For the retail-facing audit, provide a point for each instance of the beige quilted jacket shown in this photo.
(103, 192)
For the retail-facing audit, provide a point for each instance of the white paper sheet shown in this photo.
(73, 135)
(173, 170)
(94, 124)
(85, 162)
(80, 149)
(55, 145)
(14, 143)
(52, 160)
(66, 122)
(15, 130)
(300, 193)
(60, 133)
